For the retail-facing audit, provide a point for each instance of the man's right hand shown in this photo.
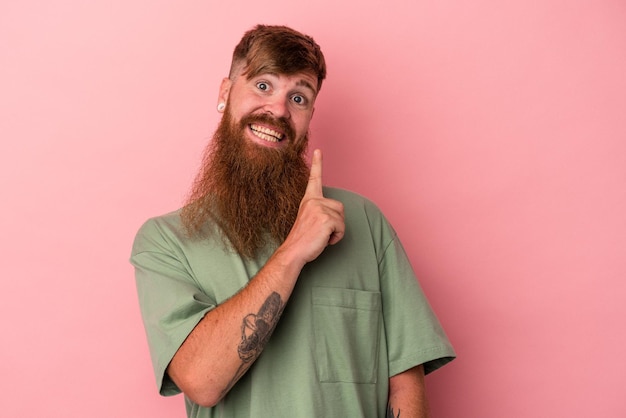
(320, 221)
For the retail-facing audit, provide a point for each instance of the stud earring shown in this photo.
(221, 107)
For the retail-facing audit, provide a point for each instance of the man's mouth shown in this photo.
(266, 134)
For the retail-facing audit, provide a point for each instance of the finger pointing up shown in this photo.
(314, 187)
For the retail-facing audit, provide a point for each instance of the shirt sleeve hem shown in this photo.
(432, 359)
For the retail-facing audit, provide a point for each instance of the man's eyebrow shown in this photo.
(305, 83)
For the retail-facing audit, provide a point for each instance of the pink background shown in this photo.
(491, 133)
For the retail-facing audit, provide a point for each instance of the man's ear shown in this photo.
(222, 97)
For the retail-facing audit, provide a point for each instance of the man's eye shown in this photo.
(261, 85)
(299, 99)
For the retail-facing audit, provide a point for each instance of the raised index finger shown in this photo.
(314, 187)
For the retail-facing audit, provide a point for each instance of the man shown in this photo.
(267, 294)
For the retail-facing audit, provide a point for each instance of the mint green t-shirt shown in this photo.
(356, 317)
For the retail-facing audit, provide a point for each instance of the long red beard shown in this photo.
(251, 192)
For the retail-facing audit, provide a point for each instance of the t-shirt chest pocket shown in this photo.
(347, 334)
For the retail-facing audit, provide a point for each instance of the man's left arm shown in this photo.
(407, 395)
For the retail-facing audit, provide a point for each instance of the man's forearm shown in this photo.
(255, 332)
(407, 395)
(226, 342)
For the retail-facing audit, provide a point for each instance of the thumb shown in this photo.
(314, 187)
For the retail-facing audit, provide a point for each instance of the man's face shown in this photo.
(276, 108)
(256, 173)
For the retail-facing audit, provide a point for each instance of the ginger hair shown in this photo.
(277, 50)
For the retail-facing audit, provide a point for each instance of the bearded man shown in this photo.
(267, 294)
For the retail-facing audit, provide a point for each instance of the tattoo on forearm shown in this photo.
(256, 330)
(390, 412)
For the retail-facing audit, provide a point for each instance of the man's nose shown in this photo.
(278, 107)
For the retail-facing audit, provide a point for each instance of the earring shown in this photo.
(221, 107)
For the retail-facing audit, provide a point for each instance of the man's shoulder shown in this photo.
(167, 221)
(360, 210)
(344, 196)
(351, 200)
(160, 228)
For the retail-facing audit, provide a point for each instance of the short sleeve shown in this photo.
(170, 300)
(414, 333)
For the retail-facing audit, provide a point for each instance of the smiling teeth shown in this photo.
(266, 133)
